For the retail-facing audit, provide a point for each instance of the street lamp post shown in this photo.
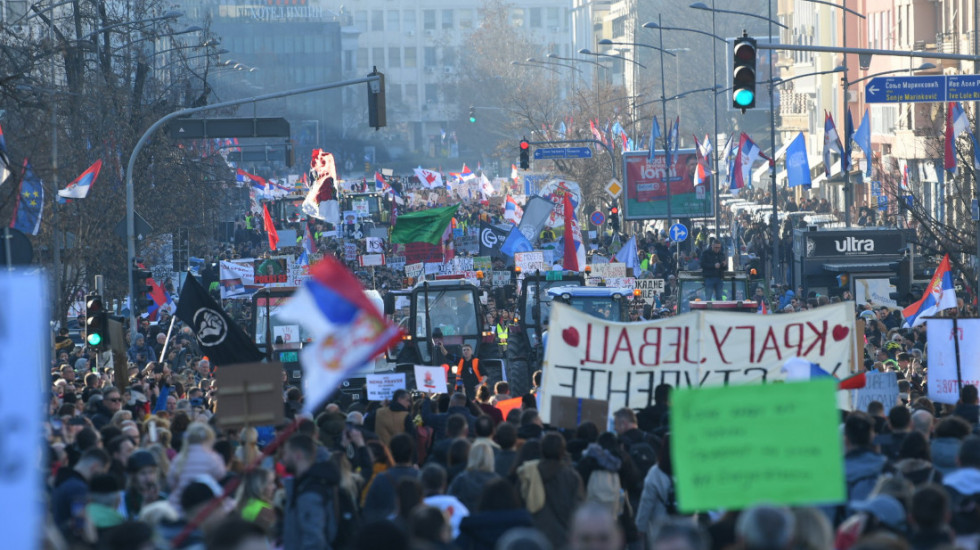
(677, 75)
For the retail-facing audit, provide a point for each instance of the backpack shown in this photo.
(604, 488)
(643, 457)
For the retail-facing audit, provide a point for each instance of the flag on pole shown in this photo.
(654, 134)
(956, 124)
(797, 163)
(321, 200)
(428, 178)
(512, 211)
(516, 242)
(831, 141)
(675, 141)
(30, 202)
(79, 188)
(466, 174)
(939, 296)
(513, 173)
(862, 137)
(348, 330)
(224, 342)
(379, 182)
(425, 226)
(241, 176)
(748, 153)
(270, 228)
(628, 256)
(569, 260)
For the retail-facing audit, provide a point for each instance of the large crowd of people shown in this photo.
(147, 466)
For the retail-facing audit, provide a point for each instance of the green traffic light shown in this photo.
(472, 119)
(94, 339)
(744, 98)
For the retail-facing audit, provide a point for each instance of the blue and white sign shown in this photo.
(923, 89)
(597, 218)
(678, 232)
(876, 188)
(882, 203)
(550, 153)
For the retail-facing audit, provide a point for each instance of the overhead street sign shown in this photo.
(201, 128)
(923, 89)
(551, 153)
(614, 188)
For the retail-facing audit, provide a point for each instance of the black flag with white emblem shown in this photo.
(224, 342)
(491, 239)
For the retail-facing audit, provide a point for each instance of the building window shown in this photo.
(430, 57)
(465, 19)
(431, 93)
(393, 20)
(447, 19)
(393, 93)
(362, 58)
(535, 18)
(408, 20)
(361, 19)
(394, 57)
(517, 16)
(378, 57)
(411, 57)
(377, 20)
(619, 27)
(429, 19)
(552, 18)
(412, 95)
(449, 56)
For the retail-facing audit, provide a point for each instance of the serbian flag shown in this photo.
(242, 176)
(321, 200)
(763, 308)
(270, 228)
(347, 329)
(513, 173)
(956, 124)
(799, 369)
(512, 211)
(748, 153)
(79, 188)
(831, 141)
(466, 174)
(379, 182)
(939, 296)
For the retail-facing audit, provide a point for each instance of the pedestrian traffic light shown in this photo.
(96, 333)
(140, 289)
(743, 74)
(902, 281)
(377, 111)
(614, 219)
(525, 154)
(472, 114)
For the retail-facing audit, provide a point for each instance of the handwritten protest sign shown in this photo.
(650, 288)
(736, 446)
(430, 379)
(382, 386)
(23, 335)
(530, 261)
(414, 270)
(944, 381)
(623, 362)
(606, 270)
(881, 387)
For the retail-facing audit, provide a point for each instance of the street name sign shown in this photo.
(549, 153)
(923, 89)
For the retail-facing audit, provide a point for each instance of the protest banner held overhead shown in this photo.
(623, 362)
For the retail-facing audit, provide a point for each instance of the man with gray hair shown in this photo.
(765, 528)
(595, 528)
(922, 422)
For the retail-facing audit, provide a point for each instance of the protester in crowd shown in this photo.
(468, 485)
(196, 458)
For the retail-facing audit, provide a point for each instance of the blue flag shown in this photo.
(30, 202)
(516, 242)
(797, 164)
(862, 137)
(654, 134)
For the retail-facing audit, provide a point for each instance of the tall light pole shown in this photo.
(716, 168)
(677, 74)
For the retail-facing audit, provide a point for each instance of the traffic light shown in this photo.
(140, 289)
(525, 154)
(96, 330)
(743, 75)
(614, 219)
(472, 114)
(377, 112)
(902, 281)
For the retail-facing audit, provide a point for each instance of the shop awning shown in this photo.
(858, 267)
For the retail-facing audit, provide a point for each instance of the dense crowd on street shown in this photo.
(147, 465)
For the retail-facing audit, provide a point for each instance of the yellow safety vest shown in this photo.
(502, 333)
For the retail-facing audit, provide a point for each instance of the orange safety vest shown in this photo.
(459, 367)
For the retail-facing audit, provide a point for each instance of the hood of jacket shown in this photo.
(605, 459)
(966, 481)
(863, 463)
(944, 451)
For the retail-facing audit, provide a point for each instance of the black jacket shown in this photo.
(481, 530)
(708, 260)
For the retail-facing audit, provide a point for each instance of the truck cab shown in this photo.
(608, 303)
(737, 291)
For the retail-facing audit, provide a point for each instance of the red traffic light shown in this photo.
(614, 210)
(744, 52)
(525, 145)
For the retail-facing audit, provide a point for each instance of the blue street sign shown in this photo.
(678, 232)
(876, 188)
(550, 153)
(597, 218)
(882, 203)
(963, 87)
(908, 89)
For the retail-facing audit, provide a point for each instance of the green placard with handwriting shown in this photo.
(736, 446)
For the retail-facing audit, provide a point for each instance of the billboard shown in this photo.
(645, 197)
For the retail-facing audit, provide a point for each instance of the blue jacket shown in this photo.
(308, 512)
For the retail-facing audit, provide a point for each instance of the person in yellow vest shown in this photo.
(467, 372)
(502, 329)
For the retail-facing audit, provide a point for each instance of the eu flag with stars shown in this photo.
(30, 202)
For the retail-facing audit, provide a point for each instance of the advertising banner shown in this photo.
(646, 187)
(947, 372)
(622, 363)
